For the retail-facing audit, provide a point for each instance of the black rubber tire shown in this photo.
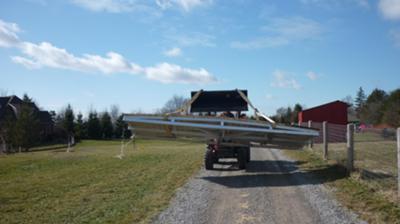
(241, 157)
(248, 154)
(209, 160)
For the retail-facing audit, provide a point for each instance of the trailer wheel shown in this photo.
(241, 157)
(209, 160)
(248, 154)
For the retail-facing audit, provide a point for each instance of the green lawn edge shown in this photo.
(352, 193)
(91, 185)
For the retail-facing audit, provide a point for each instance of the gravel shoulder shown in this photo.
(271, 190)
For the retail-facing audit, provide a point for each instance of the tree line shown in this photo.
(288, 115)
(379, 107)
(24, 131)
(97, 125)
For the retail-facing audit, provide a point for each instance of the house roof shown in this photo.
(15, 100)
(3, 105)
(4, 101)
(45, 117)
(327, 104)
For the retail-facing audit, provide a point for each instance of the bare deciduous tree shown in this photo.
(173, 104)
(114, 113)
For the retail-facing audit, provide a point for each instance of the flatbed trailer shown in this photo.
(226, 137)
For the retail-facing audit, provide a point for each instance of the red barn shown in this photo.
(334, 113)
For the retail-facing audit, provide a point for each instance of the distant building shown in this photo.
(10, 107)
(333, 112)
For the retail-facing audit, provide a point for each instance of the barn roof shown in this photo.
(327, 104)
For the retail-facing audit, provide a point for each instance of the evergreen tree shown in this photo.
(93, 126)
(68, 121)
(296, 110)
(121, 128)
(7, 130)
(26, 130)
(360, 101)
(288, 115)
(27, 99)
(80, 127)
(373, 109)
(391, 115)
(106, 125)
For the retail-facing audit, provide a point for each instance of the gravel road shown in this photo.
(270, 190)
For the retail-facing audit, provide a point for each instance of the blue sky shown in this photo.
(138, 53)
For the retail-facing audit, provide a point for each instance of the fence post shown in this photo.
(325, 139)
(398, 161)
(312, 140)
(350, 147)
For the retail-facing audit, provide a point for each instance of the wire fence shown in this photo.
(374, 157)
(336, 137)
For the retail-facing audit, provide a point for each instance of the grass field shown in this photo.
(371, 191)
(375, 160)
(375, 155)
(356, 195)
(91, 185)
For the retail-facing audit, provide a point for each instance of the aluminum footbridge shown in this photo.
(238, 130)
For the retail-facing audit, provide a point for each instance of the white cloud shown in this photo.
(283, 80)
(118, 6)
(169, 73)
(173, 52)
(330, 4)
(186, 5)
(114, 6)
(363, 3)
(45, 54)
(28, 63)
(312, 75)
(283, 31)
(390, 9)
(8, 34)
(395, 34)
(269, 97)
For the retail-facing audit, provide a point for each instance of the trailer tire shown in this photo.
(241, 157)
(248, 154)
(209, 160)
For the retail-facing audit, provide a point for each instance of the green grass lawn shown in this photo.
(91, 185)
(371, 191)
(375, 163)
(379, 156)
(355, 194)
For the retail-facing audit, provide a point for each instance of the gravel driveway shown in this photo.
(270, 190)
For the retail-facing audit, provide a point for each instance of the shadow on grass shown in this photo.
(54, 148)
(278, 173)
(375, 175)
